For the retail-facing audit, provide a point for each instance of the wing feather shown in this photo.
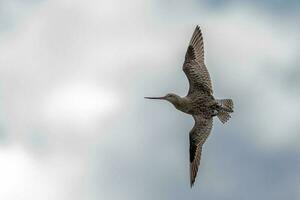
(198, 136)
(194, 66)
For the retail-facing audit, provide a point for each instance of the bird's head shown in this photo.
(173, 98)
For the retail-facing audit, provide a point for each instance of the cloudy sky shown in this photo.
(74, 124)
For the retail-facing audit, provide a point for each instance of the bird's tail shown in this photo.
(227, 107)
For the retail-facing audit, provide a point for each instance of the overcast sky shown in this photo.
(74, 124)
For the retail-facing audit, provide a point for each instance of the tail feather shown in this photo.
(226, 104)
(223, 116)
(227, 107)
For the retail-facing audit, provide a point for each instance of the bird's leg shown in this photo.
(215, 113)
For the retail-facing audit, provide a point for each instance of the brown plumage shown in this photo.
(199, 101)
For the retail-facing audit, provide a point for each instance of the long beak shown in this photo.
(154, 97)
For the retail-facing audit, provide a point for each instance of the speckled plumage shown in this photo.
(199, 102)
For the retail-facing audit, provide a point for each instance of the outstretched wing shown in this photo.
(198, 136)
(194, 66)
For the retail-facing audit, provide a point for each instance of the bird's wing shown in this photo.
(194, 66)
(198, 136)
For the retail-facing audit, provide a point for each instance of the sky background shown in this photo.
(74, 124)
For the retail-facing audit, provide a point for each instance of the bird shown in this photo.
(199, 101)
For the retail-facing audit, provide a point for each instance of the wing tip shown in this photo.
(197, 40)
(192, 183)
(198, 28)
(193, 173)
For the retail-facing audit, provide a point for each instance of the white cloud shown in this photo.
(22, 177)
(79, 102)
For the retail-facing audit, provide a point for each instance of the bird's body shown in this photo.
(204, 105)
(199, 102)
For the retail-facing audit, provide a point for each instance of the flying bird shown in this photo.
(199, 102)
